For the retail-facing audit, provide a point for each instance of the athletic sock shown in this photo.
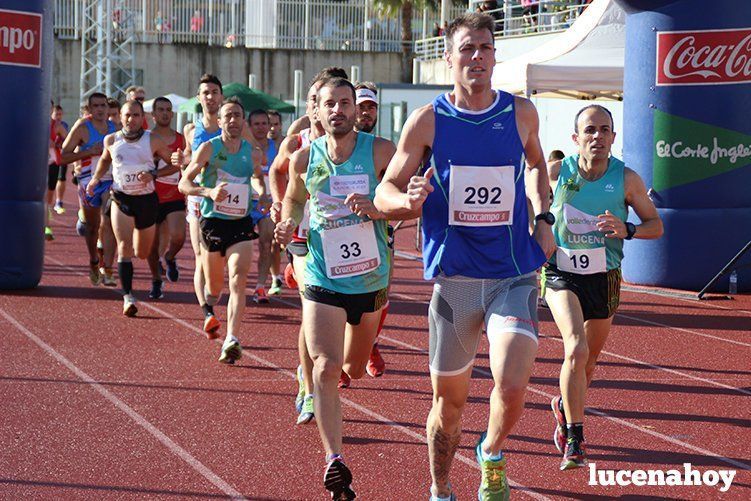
(575, 431)
(384, 312)
(491, 457)
(125, 270)
(207, 310)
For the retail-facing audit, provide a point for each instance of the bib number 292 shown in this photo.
(482, 195)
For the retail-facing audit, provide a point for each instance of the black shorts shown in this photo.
(218, 235)
(168, 208)
(142, 208)
(599, 294)
(354, 304)
(55, 173)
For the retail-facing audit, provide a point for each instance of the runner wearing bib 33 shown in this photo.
(582, 281)
(477, 246)
(227, 164)
(348, 261)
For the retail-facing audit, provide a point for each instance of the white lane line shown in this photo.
(464, 459)
(605, 415)
(681, 329)
(135, 416)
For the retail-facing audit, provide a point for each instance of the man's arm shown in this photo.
(293, 205)
(160, 150)
(187, 184)
(401, 193)
(105, 160)
(280, 167)
(554, 172)
(536, 182)
(298, 125)
(78, 136)
(182, 158)
(637, 198)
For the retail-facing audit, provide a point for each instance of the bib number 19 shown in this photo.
(580, 262)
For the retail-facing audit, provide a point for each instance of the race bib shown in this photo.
(304, 228)
(481, 196)
(130, 183)
(237, 202)
(194, 205)
(581, 261)
(344, 185)
(349, 251)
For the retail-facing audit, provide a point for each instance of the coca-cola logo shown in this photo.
(20, 38)
(708, 57)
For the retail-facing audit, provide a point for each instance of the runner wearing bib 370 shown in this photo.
(347, 266)
(131, 153)
(477, 244)
(582, 281)
(227, 164)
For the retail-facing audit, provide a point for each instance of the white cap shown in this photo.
(365, 94)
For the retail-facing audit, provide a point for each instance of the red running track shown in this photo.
(99, 406)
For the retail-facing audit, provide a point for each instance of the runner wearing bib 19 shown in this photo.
(485, 149)
(227, 164)
(131, 153)
(581, 283)
(87, 136)
(170, 232)
(347, 266)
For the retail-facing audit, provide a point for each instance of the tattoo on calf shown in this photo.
(442, 447)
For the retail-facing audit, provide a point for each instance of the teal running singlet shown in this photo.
(236, 169)
(582, 248)
(347, 254)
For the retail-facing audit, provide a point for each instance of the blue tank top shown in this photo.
(475, 222)
(201, 135)
(89, 164)
(346, 253)
(236, 169)
(270, 156)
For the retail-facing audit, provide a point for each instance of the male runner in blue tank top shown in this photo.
(87, 137)
(227, 165)
(477, 244)
(581, 283)
(348, 261)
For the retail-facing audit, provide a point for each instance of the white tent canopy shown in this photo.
(176, 100)
(584, 62)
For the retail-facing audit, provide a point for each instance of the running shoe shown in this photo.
(559, 435)
(211, 326)
(300, 389)
(376, 365)
(59, 209)
(337, 479)
(94, 275)
(344, 380)
(433, 497)
(156, 290)
(575, 455)
(276, 287)
(108, 278)
(231, 351)
(260, 296)
(129, 305)
(48, 235)
(494, 486)
(307, 413)
(172, 272)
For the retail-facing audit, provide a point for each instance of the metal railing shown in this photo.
(546, 16)
(287, 24)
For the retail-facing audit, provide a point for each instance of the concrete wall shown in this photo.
(177, 68)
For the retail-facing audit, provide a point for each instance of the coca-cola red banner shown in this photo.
(708, 57)
(20, 38)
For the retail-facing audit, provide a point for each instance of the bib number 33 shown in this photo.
(350, 250)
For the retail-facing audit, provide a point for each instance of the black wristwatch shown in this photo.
(630, 230)
(548, 217)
